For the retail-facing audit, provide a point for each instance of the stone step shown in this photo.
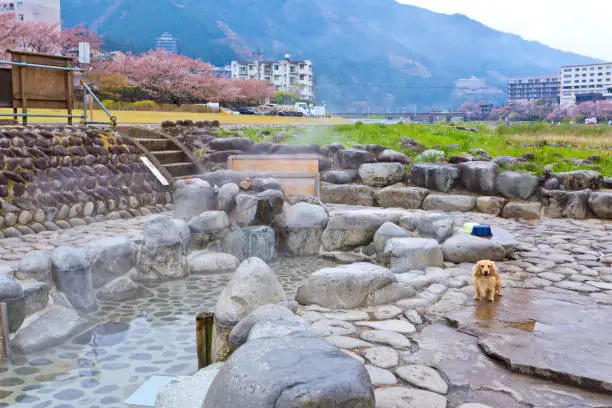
(157, 145)
(170, 156)
(181, 169)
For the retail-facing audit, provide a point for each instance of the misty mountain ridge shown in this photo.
(376, 52)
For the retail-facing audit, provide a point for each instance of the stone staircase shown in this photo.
(170, 157)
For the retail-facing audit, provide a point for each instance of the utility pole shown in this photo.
(259, 63)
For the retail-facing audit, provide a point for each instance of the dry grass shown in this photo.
(127, 117)
(604, 140)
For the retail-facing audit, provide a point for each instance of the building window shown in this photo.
(276, 67)
(302, 66)
(20, 17)
(20, 4)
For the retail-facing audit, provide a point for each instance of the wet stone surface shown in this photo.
(136, 339)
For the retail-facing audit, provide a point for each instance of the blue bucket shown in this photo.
(483, 231)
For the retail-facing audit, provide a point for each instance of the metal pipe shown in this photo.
(95, 98)
(40, 115)
(27, 64)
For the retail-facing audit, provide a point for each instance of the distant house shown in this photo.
(166, 42)
(286, 75)
(47, 11)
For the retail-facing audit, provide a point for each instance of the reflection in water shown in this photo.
(486, 316)
(104, 335)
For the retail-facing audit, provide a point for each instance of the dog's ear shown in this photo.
(494, 268)
(477, 271)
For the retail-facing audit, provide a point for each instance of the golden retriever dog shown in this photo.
(487, 281)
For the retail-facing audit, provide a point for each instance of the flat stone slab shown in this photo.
(388, 338)
(399, 326)
(400, 397)
(562, 337)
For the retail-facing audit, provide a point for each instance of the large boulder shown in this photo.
(581, 180)
(491, 205)
(188, 392)
(120, 290)
(35, 265)
(250, 242)
(513, 184)
(382, 174)
(406, 254)
(468, 248)
(226, 198)
(110, 258)
(352, 158)
(430, 156)
(339, 176)
(13, 295)
(231, 143)
(565, 204)
(439, 177)
(600, 203)
(36, 295)
(193, 197)
(393, 156)
(351, 287)
(253, 285)
(478, 176)
(271, 312)
(73, 277)
(301, 228)
(449, 202)
(386, 232)
(526, 211)
(258, 209)
(290, 372)
(401, 197)
(163, 253)
(208, 226)
(438, 226)
(347, 230)
(209, 263)
(261, 184)
(354, 194)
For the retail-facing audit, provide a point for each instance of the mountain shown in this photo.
(378, 52)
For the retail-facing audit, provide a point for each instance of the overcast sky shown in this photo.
(580, 26)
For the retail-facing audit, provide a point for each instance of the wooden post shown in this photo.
(204, 329)
(15, 112)
(5, 343)
(24, 98)
(69, 94)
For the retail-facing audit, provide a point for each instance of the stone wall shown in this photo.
(58, 177)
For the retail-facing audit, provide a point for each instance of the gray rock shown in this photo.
(526, 211)
(25, 217)
(35, 265)
(439, 177)
(110, 258)
(378, 376)
(188, 392)
(478, 176)
(231, 143)
(350, 229)
(73, 277)
(397, 326)
(406, 254)
(163, 253)
(12, 294)
(566, 204)
(36, 296)
(430, 156)
(423, 377)
(240, 333)
(514, 184)
(581, 180)
(253, 285)
(249, 242)
(50, 329)
(401, 197)
(382, 174)
(393, 156)
(261, 184)
(449, 203)
(207, 227)
(601, 204)
(480, 153)
(382, 356)
(209, 263)
(193, 197)
(119, 290)
(607, 183)
(331, 327)
(352, 158)
(268, 329)
(301, 228)
(226, 199)
(389, 338)
(345, 342)
(468, 248)
(259, 209)
(348, 287)
(490, 205)
(400, 397)
(339, 176)
(386, 232)
(290, 372)
(354, 194)
(438, 226)
(184, 233)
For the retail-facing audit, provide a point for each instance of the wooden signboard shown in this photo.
(42, 88)
(298, 174)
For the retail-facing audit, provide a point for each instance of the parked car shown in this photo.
(247, 111)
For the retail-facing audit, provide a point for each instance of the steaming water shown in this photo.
(133, 340)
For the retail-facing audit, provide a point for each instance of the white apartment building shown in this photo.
(286, 75)
(47, 11)
(581, 83)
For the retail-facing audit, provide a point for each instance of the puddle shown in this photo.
(138, 339)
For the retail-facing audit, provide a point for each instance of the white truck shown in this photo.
(310, 110)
